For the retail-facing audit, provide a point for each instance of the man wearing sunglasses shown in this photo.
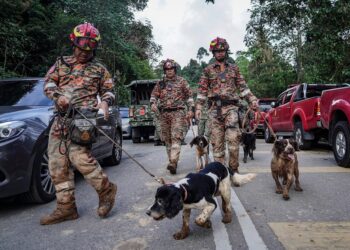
(77, 80)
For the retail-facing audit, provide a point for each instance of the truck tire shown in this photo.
(267, 135)
(299, 137)
(116, 156)
(135, 135)
(341, 143)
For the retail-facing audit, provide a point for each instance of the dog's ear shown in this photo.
(278, 147)
(175, 205)
(194, 141)
(294, 144)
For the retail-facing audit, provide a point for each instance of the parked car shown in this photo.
(297, 113)
(25, 114)
(264, 106)
(335, 118)
(124, 112)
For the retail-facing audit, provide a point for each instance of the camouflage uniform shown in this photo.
(80, 83)
(172, 95)
(227, 86)
(203, 128)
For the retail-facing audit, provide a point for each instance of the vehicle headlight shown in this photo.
(11, 129)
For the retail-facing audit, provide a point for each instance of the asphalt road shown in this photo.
(317, 218)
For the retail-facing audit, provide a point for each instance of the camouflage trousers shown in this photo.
(203, 128)
(61, 170)
(225, 129)
(157, 129)
(173, 126)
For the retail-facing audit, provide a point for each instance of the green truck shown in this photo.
(141, 116)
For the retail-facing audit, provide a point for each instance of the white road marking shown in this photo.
(221, 238)
(250, 233)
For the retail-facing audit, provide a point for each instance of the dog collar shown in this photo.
(185, 191)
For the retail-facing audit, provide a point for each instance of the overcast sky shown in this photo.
(181, 27)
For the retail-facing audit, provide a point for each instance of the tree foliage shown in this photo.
(33, 33)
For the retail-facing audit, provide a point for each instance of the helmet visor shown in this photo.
(86, 43)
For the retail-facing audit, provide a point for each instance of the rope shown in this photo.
(158, 179)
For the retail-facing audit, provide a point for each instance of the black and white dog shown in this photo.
(197, 190)
(202, 151)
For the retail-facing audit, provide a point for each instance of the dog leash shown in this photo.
(256, 119)
(158, 179)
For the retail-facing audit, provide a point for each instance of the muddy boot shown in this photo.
(106, 200)
(172, 167)
(61, 213)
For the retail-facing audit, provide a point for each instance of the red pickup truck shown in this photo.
(335, 117)
(297, 113)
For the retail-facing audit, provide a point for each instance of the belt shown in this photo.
(170, 109)
(221, 102)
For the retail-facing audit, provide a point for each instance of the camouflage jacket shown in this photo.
(80, 83)
(228, 85)
(172, 93)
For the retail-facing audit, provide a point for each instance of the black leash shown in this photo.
(158, 179)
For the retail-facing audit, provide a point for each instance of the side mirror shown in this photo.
(273, 105)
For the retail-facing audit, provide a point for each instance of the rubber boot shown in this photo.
(63, 212)
(106, 200)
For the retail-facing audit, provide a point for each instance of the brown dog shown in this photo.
(284, 164)
(202, 151)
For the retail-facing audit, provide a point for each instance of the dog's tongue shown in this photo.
(291, 156)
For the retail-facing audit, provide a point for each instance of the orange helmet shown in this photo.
(85, 36)
(169, 64)
(219, 44)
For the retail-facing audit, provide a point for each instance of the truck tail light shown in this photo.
(131, 112)
(317, 110)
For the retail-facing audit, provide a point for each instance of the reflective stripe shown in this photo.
(64, 186)
(50, 85)
(199, 96)
(245, 92)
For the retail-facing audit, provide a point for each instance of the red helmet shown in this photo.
(218, 44)
(85, 36)
(169, 64)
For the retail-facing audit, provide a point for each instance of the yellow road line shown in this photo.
(334, 169)
(313, 235)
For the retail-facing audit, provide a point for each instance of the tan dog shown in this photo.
(284, 164)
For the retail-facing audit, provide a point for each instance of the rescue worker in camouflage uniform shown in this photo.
(172, 95)
(77, 79)
(222, 85)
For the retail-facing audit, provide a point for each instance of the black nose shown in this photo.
(148, 212)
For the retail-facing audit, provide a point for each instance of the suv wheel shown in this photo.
(42, 189)
(116, 156)
(299, 137)
(267, 135)
(341, 143)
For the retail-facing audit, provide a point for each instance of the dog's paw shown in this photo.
(279, 191)
(227, 218)
(286, 196)
(201, 223)
(181, 235)
(298, 188)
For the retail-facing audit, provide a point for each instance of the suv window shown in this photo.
(280, 99)
(288, 96)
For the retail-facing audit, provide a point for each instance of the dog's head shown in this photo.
(248, 138)
(200, 141)
(285, 148)
(168, 203)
